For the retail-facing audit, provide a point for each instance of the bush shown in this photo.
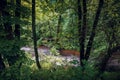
(66, 72)
(111, 75)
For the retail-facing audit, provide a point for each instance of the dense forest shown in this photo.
(59, 40)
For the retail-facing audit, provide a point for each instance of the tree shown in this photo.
(85, 54)
(90, 42)
(58, 29)
(79, 30)
(7, 24)
(83, 31)
(34, 35)
(10, 16)
(17, 15)
(2, 65)
(7, 28)
(111, 30)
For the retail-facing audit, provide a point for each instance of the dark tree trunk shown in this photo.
(34, 35)
(7, 25)
(2, 65)
(17, 15)
(89, 46)
(83, 32)
(79, 25)
(7, 29)
(58, 28)
(111, 49)
(16, 31)
(79, 31)
(105, 59)
(101, 66)
(50, 38)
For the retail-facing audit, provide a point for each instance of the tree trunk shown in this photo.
(34, 35)
(112, 48)
(83, 32)
(2, 65)
(8, 30)
(17, 15)
(58, 29)
(7, 25)
(89, 46)
(101, 66)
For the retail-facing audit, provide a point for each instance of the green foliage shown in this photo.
(64, 73)
(16, 73)
(47, 23)
(47, 13)
(50, 70)
(10, 47)
(53, 51)
(60, 73)
(111, 75)
(69, 73)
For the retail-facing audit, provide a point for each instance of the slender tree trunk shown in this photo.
(34, 35)
(17, 15)
(2, 65)
(79, 31)
(89, 46)
(58, 29)
(50, 38)
(83, 32)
